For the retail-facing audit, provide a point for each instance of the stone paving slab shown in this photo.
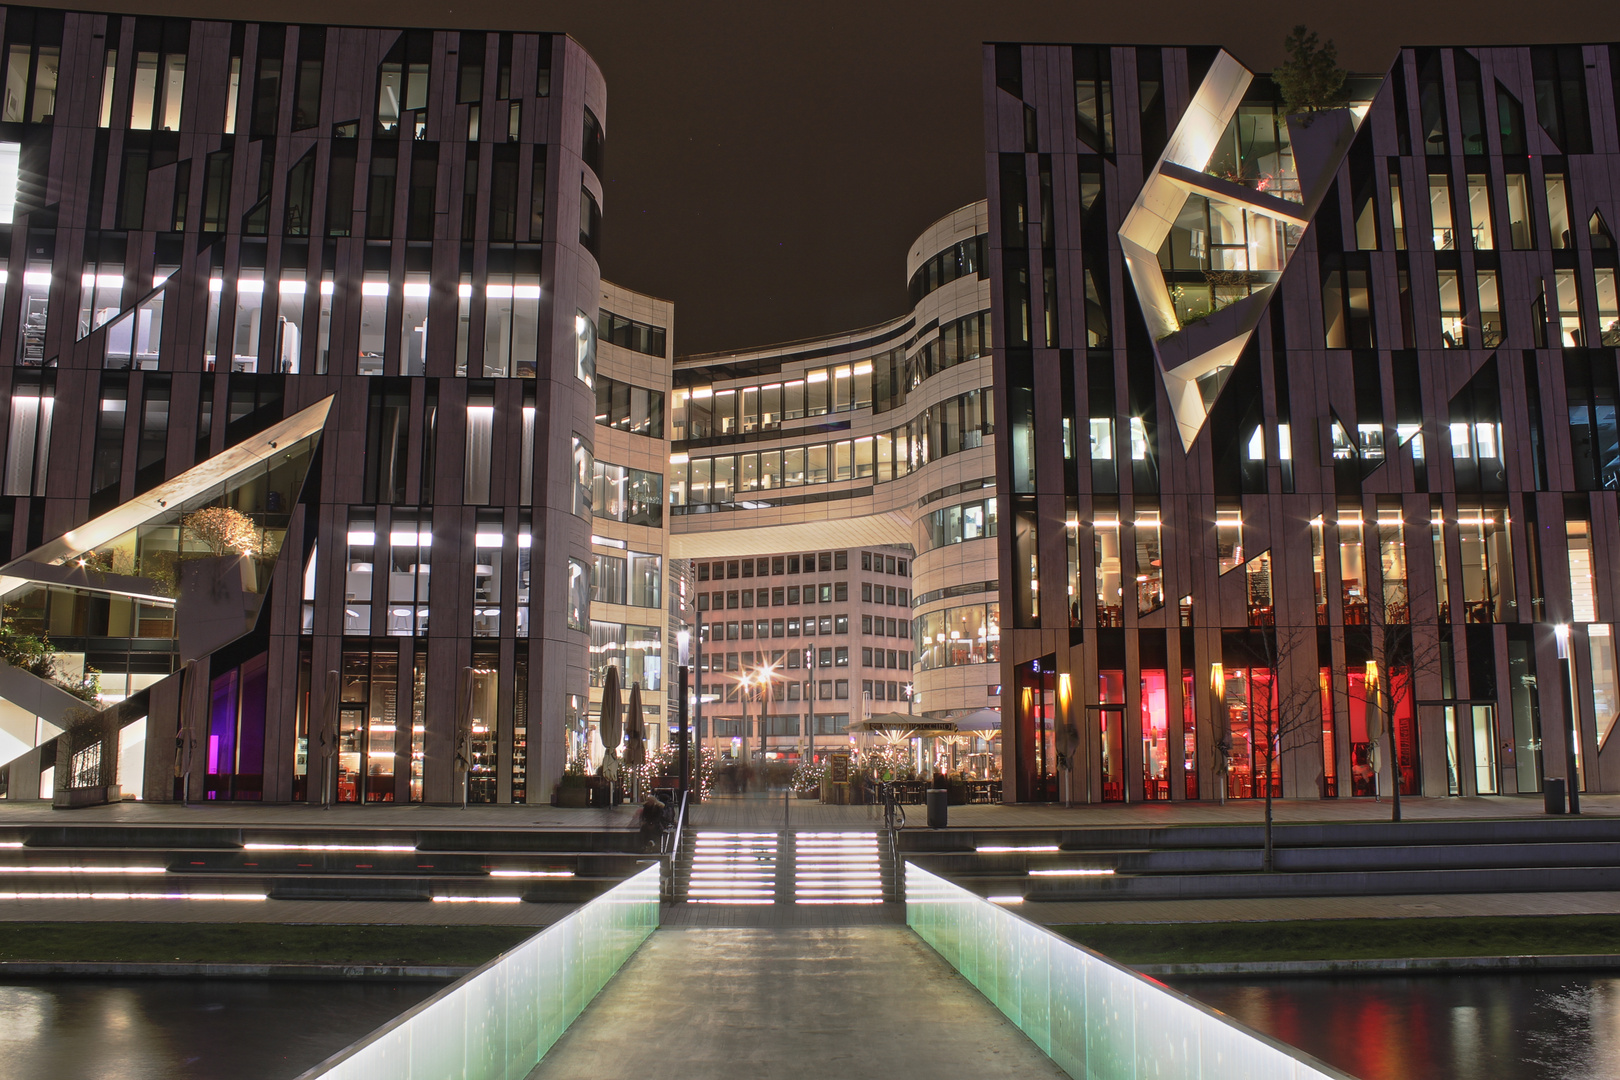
(740, 1004)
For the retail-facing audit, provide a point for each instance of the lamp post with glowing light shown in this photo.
(1561, 633)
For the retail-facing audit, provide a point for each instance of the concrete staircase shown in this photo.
(1209, 862)
(284, 863)
(783, 868)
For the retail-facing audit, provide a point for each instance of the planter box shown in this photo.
(73, 798)
(573, 796)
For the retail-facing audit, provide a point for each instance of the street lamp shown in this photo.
(683, 640)
(1561, 633)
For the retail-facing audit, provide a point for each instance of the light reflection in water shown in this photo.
(1560, 1026)
(181, 1029)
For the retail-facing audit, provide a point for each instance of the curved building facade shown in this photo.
(859, 468)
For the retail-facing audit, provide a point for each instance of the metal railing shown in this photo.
(499, 1021)
(1093, 1017)
(670, 848)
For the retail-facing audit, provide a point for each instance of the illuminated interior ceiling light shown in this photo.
(532, 873)
(261, 846)
(130, 896)
(84, 869)
(478, 899)
(1079, 871)
(998, 849)
(1194, 359)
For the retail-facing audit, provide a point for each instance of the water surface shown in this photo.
(1452, 1027)
(184, 1029)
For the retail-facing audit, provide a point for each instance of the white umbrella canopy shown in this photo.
(979, 720)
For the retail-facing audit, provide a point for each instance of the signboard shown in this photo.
(838, 765)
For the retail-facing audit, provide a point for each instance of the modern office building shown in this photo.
(1306, 422)
(300, 340)
(824, 457)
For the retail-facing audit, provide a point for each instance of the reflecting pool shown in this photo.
(184, 1029)
(1460, 1027)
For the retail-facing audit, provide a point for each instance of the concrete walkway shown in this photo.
(740, 1004)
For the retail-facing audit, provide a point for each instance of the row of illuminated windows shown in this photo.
(1473, 319)
(809, 626)
(958, 524)
(258, 333)
(959, 423)
(701, 412)
(626, 407)
(777, 565)
(880, 383)
(878, 626)
(781, 596)
(400, 604)
(1472, 217)
(877, 593)
(1375, 549)
(965, 258)
(954, 637)
(634, 579)
(637, 651)
(157, 73)
(629, 334)
(825, 724)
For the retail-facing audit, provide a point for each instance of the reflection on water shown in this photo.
(1462, 1027)
(180, 1029)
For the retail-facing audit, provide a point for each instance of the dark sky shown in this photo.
(770, 162)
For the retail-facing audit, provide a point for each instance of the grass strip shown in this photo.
(255, 943)
(1349, 939)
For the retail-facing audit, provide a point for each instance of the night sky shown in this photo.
(770, 163)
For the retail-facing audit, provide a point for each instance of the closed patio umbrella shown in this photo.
(611, 727)
(194, 720)
(635, 734)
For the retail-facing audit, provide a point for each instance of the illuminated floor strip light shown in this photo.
(478, 899)
(1002, 849)
(1005, 899)
(532, 873)
(328, 847)
(1084, 872)
(84, 870)
(129, 896)
(11, 843)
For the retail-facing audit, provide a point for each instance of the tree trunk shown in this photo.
(1266, 861)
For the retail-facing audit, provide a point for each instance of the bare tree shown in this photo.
(1289, 717)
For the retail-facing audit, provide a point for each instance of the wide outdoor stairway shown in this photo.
(1338, 859)
(800, 868)
(473, 865)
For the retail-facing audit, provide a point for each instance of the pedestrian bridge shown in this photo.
(779, 957)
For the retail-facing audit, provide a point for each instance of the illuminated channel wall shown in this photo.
(1093, 1017)
(498, 1022)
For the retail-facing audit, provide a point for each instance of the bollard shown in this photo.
(937, 807)
(1554, 794)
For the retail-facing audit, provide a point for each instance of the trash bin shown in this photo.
(1554, 794)
(938, 807)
